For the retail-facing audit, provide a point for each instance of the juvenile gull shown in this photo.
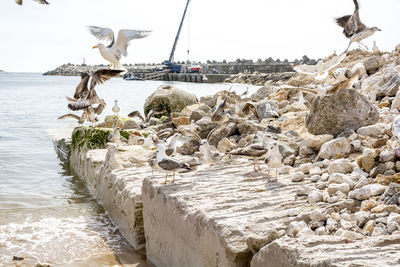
(353, 28)
(116, 108)
(169, 164)
(83, 97)
(117, 48)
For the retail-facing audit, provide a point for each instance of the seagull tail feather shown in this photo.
(186, 166)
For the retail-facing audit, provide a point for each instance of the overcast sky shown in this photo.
(38, 38)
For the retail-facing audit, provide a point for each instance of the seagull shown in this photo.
(150, 141)
(116, 108)
(375, 48)
(322, 68)
(256, 150)
(171, 146)
(115, 136)
(274, 158)
(87, 115)
(116, 48)
(354, 29)
(80, 119)
(83, 97)
(151, 113)
(219, 112)
(169, 164)
(42, 2)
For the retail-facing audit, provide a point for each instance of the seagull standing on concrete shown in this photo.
(274, 158)
(257, 150)
(169, 164)
(116, 108)
(115, 136)
(354, 29)
(113, 52)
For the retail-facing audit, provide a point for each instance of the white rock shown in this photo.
(297, 177)
(358, 171)
(356, 144)
(340, 166)
(305, 232)
(305, 168)
(325, 196)
(333, 199)
(314, 197)
(367, 191)
(361, 183)
(337, 147)
(346, 225)
(362, 217)
(333, 188)
(386, 156)
(315, 178)
(316, 141)
(359, 67)
(295, 227)
(393, 222)
(321, 231)
(315, 170)
(352, 235)
(378, 231)
(317, 216)
(396, 101)
(331, 225)
(371, 130)
(342, 74)
(338, 178)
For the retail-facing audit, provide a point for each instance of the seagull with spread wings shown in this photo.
(354, 29)
(84, 97)
(43, 2)
(117, 48)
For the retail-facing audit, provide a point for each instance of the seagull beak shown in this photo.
(95, 46)
(379, 30)
(153, 148)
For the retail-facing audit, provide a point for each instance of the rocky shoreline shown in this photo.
(336, 189)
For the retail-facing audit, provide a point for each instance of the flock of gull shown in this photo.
(87, 101)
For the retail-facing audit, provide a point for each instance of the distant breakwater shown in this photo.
(238, 66)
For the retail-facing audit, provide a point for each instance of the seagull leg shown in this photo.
(165, 182)
(364, 46)
(173, 178)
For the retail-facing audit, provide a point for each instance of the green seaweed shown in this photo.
(89, 137)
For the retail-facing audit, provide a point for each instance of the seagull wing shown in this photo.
(124, 37)
(82, 90)
(43, 2)
(99, 109)
(306, 69)
(333, 62)
(69, 116)
(102, 34)
(101, 76)
(137, 114)
(19, 2)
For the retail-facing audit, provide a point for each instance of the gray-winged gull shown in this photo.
(169, 164)
(116, 108)
(117, 48)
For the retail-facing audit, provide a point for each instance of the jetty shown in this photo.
(334, 201)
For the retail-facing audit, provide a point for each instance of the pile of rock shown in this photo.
(261, 79)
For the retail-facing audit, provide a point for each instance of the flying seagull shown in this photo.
(117, 48)
(84, 97)
(169, 164)
(354, 29)
(43, 2)
(151, 113)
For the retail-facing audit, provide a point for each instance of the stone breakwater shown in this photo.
(334, 202)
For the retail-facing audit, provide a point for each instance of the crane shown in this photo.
(170, 62)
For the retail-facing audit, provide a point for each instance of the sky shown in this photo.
(37, 38)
